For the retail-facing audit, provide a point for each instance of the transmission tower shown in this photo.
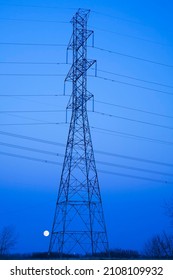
(79, 225)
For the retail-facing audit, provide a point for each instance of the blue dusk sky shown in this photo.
(131, 126)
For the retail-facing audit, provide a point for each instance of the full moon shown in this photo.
(46, 233)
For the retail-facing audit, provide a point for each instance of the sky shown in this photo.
(132, 122)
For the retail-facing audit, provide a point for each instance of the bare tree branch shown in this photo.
(8, 240)
(159, 246)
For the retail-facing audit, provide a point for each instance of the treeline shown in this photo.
(158, 247)
(117, 254)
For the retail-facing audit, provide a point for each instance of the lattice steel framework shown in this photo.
(79, 225)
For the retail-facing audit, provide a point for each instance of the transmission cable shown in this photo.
(32, 111)
(97, 48)
(128, 36)
(134, 78)
(9, 134)
(108, 131)
(129, 84)
(134, 168)
(33, 44)
(34, 20)
(103, 130)
(27, 118)
(33, 95)
(40, 123)
(95, 28)
(99, 77)
(30, 74)
(98, 162)
(134, 57)
(133, 109)
(133, 158)
(96, 112)
(99, 70)
(33, 63)
(31, 149)
(30, 158)
(128, 135)
(134, 177)
(100, 113)
(132, 120)
(37, 6)
(97, 101)
(115, 17)
(101, 171)
(31, 138)
(69, 8)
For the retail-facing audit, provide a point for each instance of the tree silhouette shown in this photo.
(8, 240)
(160, 246)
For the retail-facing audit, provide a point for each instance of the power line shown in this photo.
(55, 123)
(134, 109)
(115, 17)
(34, 20)
(30, 149)
(99, 70)
(33, 75)
(134, 57)
(37, 6)
(30, 158)
(99, 162)
(31, 138)
(134, 168)
(40, 123)
(133, 85)
(133, 120)
(99, 77)
(33, 44)
(69, 8)
(101, 171)
(134, 177)
(32, 111)
(107, 131)
(96, 151)
(113, 132)
(134, 78)
(28, 118)
(33, 95)
(134, 158)
(96, 112)
(97, 101)
(33, 63)
(98, 48)
(129, 36)
(96, 28)
(11, 113)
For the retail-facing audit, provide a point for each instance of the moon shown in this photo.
(46, 233)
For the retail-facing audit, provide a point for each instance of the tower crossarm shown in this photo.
(78, 69)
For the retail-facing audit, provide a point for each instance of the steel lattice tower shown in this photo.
(79, 225)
